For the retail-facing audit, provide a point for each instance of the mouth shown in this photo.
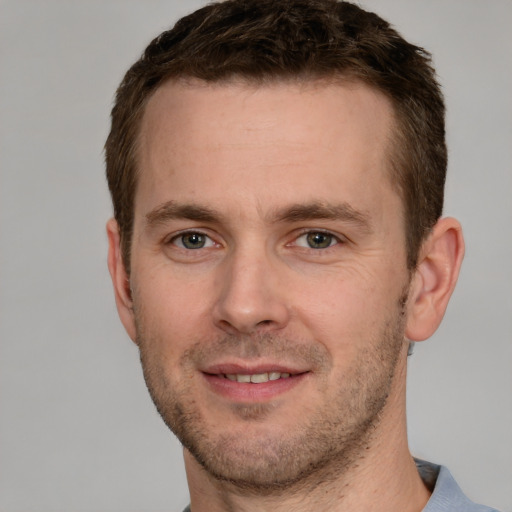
(241, 384)
(256, 378)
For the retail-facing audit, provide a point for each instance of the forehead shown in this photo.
(276, 140)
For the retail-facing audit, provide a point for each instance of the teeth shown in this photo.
(256, 378)
(259, 377)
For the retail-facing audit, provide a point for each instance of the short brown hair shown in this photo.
(268, 40)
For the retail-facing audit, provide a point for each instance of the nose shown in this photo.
(250, 296)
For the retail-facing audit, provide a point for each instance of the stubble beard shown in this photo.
(329, 441)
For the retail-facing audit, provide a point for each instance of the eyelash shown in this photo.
(209, 242)
(183, 234)
(333, 239)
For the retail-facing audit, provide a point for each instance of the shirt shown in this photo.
(447, 496)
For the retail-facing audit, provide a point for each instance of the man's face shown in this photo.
(268, 273)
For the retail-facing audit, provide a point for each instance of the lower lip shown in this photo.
(250, 392)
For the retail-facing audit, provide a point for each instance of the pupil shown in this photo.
(193, 241)
(319, 240)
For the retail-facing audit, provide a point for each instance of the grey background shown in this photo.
(77, 429)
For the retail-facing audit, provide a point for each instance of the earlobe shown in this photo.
(120, 279)
(434, 279)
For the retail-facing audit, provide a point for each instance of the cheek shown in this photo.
(345, 311)
(171, 314)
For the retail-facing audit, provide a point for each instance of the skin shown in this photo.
(268, 237)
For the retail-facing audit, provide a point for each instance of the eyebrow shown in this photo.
(324, 211)
(173, 210)
(316, 210)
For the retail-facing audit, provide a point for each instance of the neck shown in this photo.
(381, 478)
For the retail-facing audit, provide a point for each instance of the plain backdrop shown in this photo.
(78, 431)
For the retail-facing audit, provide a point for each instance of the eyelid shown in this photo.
(170, 239)
(306, 231)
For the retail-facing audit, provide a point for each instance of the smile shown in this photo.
(256, 378)
(253, 385)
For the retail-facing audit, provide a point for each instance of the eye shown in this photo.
(316, 240)
(192, 240)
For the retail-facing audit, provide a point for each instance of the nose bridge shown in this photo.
(250, 298)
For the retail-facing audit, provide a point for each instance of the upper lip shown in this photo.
(251, 369)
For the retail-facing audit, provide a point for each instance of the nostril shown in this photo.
(224, 324)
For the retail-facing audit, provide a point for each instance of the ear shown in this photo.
(434, 280)
(120, 279)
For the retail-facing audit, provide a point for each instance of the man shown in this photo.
(277, 172)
